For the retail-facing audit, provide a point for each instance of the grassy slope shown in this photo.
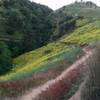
(27, 64)
(84, 35)
(44, 57)
(87, 31)
(81, 10)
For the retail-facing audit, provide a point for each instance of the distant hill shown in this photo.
(64, 19)
(85, 9)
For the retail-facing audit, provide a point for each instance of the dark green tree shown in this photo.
(5, 58)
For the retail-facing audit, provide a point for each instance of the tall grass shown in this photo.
(84, 35)
(91, 89)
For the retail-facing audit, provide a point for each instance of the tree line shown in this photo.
(32, 24)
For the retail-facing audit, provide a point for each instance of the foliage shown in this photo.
(61, 24)
(32, 25)
(36, 30)
(81, 9)
(84, 35)
(71, 92)
(22, 19)
(5, 58)
(64, 48)
(92, 83)
(37, 60)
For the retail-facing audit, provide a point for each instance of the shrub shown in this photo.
(91, 90)
(47, 52)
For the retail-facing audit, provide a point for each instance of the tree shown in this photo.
(5, 58)
(25, 21)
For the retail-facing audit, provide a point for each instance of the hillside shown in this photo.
(84, 9)
(21, 21)
(78, 25)
(69, 45)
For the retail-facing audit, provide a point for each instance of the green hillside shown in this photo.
(21, 21)
(39, 60)
(86, 34)
(68, 47)
(86, 31)
(81, 9)
(25, 26)
(71, 29)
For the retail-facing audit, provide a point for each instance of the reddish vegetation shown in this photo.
(61, 85)
(56, 87)
(77, 95)
(19, 87)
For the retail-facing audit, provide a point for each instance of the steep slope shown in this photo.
(21, 21)
(68, 48)
(38, 61)
(64, 19)
(65, 48)
(84, 35)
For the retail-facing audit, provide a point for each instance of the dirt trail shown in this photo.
(77, 95)
(50, 87)
(53, 88)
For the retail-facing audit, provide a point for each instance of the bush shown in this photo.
(5, 58)
(91, 90)
(47, 52)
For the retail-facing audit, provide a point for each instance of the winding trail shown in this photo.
(77, 95)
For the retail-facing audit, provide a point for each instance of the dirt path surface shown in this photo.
(77, 95)
(54, 88)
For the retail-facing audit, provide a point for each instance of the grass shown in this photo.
(48, 57)
(71, 92)
(41, 64)
(81, 10)
(44, 58)
(91, 79)
(10, 84)
(84, 35)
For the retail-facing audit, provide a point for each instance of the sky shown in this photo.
(55, 4)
